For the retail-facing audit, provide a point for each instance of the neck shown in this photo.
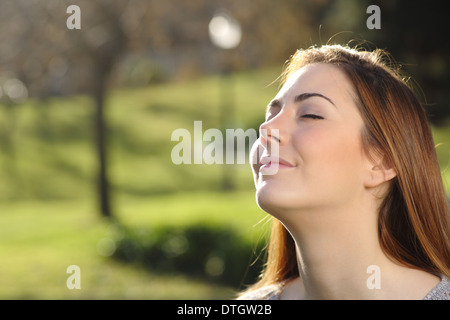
(339, 256)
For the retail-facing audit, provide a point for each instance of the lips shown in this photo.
(271, 161)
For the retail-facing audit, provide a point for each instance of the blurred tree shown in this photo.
(103, 44)
(40, 46)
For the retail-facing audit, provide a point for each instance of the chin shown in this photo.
(273, 199)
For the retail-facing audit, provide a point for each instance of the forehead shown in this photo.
(322, 78)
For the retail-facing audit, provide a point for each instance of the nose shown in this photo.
(269, 133)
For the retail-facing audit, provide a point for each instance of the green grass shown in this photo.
(40, 240)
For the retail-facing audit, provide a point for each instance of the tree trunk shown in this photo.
(101, 143)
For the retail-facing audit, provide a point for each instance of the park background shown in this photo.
(86, 117)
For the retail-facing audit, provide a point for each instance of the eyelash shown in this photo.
(309, 116)
(312, 116)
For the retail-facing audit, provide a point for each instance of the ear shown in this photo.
(380, 170)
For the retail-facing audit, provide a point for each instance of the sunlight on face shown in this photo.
(319, 142)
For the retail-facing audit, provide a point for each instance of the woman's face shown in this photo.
(321, 159)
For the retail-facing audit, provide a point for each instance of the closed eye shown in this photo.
(312, 116)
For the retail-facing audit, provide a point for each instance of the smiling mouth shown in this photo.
(274, 164)
(270, 165)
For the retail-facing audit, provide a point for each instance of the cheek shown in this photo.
(331, 154)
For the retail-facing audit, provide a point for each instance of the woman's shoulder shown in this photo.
(273, 292)
(441, 291)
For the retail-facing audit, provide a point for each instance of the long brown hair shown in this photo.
(413, 222)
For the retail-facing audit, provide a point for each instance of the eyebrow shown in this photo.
(304, 96)
(301, 97)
